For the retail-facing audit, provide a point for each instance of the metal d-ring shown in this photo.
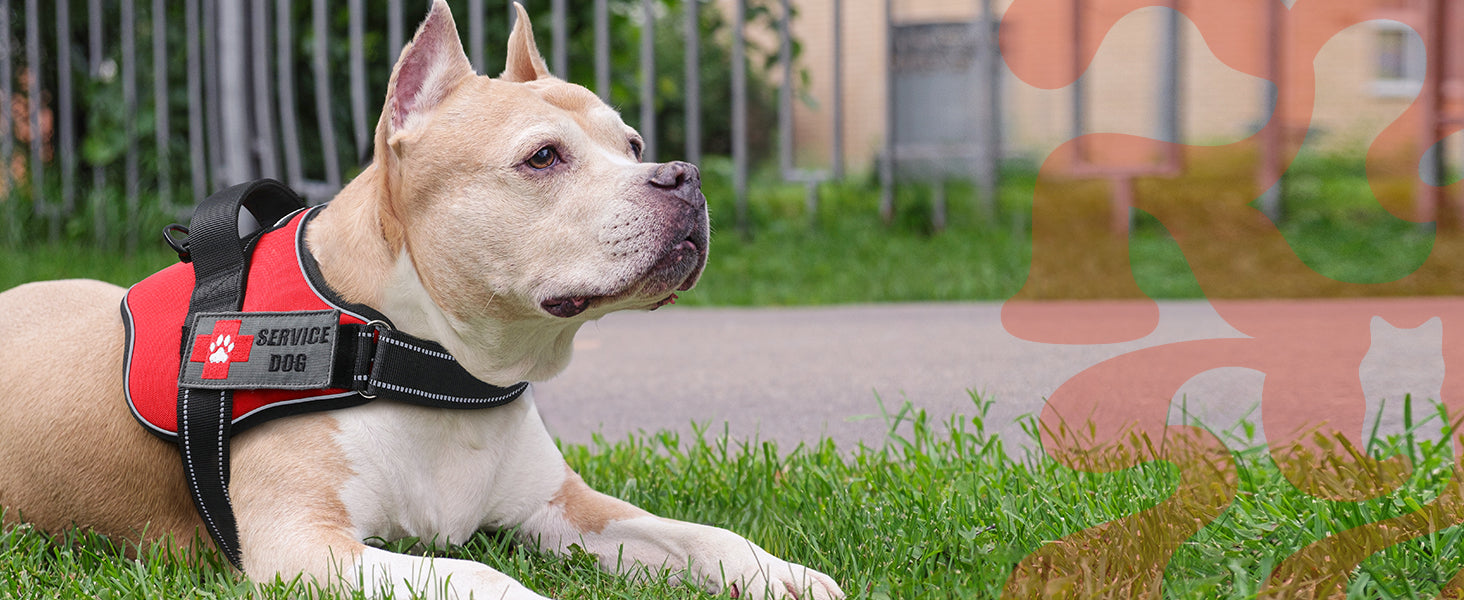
(377, 325)
(179, 246)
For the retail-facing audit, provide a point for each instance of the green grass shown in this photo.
(942, 511)
(848, 254)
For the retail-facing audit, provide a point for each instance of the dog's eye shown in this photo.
(635, 148)
(546, 157)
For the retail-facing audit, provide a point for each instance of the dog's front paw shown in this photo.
(774, 578)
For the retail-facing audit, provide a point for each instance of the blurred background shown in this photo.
(853, 150)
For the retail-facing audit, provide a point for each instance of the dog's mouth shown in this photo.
(568, 306)
(676, 271)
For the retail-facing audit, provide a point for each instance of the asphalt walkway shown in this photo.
(799, 374)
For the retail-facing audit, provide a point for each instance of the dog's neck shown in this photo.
(359, 263)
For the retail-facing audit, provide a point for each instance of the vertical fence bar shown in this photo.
(1272, 136)
(1427, 195)
(322, 95)
(233, 97)
(394, 28)
(648, 78)
(739, 114)
(693, 82)
(837, 156)
(1079, 124)
(1170, 59)
(887, 162)
(285, 67)
(988, 170)
(211, 91)
(264, 130)
(602, 50)
(162, 132)
(197, 160)
(785, 91)
(98, 172)
(561, 40)
(475, 34)
(129, 108)
(66, 110)
(358, 79)
(7, 130)
(512, 15)
(36, 169)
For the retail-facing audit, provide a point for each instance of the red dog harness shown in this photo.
(263, 336)
(247, 349)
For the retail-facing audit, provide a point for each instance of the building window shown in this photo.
(1400, 60)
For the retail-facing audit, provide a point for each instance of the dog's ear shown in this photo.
(432, 65)
(524, 61)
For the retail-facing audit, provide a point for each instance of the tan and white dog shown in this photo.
(498, 216)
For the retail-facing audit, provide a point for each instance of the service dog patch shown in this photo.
(261, 350)
(274, 354)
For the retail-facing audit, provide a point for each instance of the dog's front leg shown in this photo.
(625, 539)
(288, 475)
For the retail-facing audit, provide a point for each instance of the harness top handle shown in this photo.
(220, 270)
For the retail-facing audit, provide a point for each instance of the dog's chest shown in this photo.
(440, 475)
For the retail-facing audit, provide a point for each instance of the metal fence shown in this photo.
(240, 61)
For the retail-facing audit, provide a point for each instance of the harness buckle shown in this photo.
(178, 245)
(379, 327)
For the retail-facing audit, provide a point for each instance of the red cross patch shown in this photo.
(221, 348)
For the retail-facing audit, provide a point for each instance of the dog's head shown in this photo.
(524, 197)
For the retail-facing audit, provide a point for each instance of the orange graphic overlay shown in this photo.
(1114, 415)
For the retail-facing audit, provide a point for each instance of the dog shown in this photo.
(496, 218)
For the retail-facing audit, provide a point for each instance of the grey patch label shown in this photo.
(261, 350)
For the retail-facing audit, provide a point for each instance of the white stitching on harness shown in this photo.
(433, 353)
(514, 391)
(192, 475)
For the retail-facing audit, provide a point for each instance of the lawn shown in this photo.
(941, 512)
(847, 254)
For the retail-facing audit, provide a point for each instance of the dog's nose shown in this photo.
(681, 180)
(675, 174)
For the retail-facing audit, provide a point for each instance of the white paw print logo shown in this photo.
(219, 350)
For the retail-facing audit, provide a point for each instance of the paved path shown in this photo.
(799, 374)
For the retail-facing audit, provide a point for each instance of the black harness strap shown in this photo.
(410, 369)
(374, 360)
(220, 269)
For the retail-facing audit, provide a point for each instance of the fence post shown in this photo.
(394, 28)
(693, 82)
(648, 79)
(212, 102)
(322, 97)
(887, 162)
(66, 109)
(197, 161)
(358, 80)
(264, 140)
(989, 171)
(162, 133)
(785, 93)
(561, 40)
(602, 50)
(98, 172)
(837, 157)
(1273, 135)
(739, 114)
(289, 124)
(475, 34)
(234, 90)
(129, 108)
(36, 169)
(7, 130)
